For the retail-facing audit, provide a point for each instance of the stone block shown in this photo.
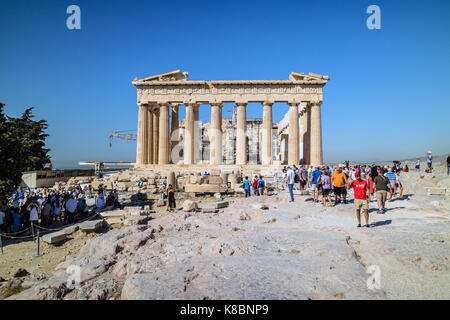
(221, 204)
(205, 188)
(189, 205)
(91, 226)
(215, 180)
(71, 229)
(209, 209)
(54, 237)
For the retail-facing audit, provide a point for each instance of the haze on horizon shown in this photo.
(388, 97)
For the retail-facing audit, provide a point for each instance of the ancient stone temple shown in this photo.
(163, 139)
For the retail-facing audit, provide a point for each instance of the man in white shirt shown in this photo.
(71, 206)
(290, 179)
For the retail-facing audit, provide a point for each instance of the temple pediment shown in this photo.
(176, 75)
(294, 76)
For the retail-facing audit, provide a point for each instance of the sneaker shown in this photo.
(359, 226)
(345, 201)
(367, 226)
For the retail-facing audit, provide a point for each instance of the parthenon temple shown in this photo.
(162, 139)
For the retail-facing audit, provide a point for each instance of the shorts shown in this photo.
(326, 192)
(382, 196)
(429, 164)
(340, 191)
(359, 204)
(315, 186)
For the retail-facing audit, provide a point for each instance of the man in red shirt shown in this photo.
(360, 190)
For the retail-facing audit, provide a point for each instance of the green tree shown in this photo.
(22, 148)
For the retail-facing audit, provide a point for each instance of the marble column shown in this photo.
(215, 147)
(197, 151)
(164, 143)
(241, 136)
(174, 131)
(189, 134)
(293, 142)
(316, 133)
(155, 133)
(267, 133)
(150, 134)
(305, 119)
(141, 150)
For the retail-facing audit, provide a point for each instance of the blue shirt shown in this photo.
(247, 185)
(316, 174)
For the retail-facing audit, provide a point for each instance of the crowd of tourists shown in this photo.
(369, 183)
(50, 209)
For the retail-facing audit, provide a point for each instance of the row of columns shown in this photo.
(154, 143)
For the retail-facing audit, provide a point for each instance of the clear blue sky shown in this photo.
(388, 96)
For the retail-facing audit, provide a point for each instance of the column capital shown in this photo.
(174, 104)
(268, 103)
(241, 103)
(316, 103)
(191, 104)
(293, 103)
(163, 103)
(216, 104)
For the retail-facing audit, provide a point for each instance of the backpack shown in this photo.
(296, 178)
(261, 183)
(255, 184)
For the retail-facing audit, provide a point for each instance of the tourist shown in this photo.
(71, 207)
(109, 201)
(33, 209)
(100, 189)
(171, 205)
(57, 208)
(247, 187)
(430, 162)
(399, 185)
(371, 186)
(406, 169)
(448, 164)
(314, 183)
(47, 213)
(206, 174)
(339, 182)
(303, 178)
(309, 171)
(3, 217)
(275, 177)
(290, 178)
(17, 220)
(360, 190)
(382, 185)
(89, 191)
(255, 186)
(140, 183)
(393, 181)
(261, 185)
(99, 204)
(325, 181)
(165, 182)
(116, 200)
(418, 165)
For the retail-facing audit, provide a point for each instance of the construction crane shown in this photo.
(125, 135)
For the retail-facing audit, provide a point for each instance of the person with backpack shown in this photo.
(261, 185)
(255, 186)
(382, 185)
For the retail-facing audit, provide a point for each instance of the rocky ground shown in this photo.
(267, 248)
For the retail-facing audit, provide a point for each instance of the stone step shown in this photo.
(91, 226)
(54, 237)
